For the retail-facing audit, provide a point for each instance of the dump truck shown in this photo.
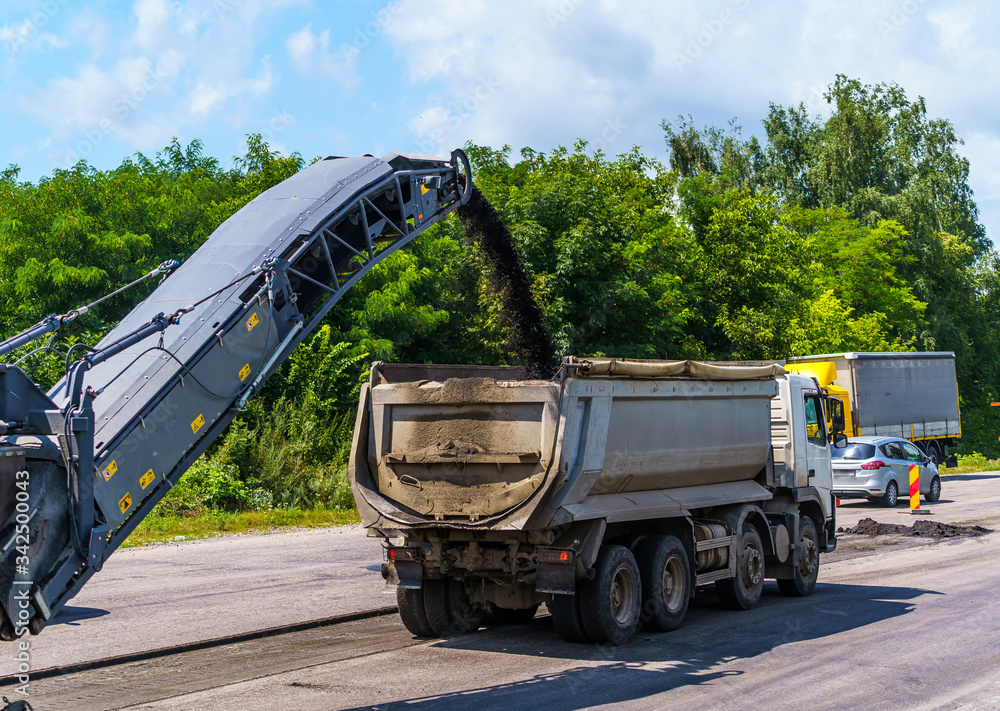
(610, 493)
(82, 464)
(913, 396)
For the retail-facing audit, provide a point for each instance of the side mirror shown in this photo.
(839, 440)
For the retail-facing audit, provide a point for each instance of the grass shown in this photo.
(970, 463)
(158, 529)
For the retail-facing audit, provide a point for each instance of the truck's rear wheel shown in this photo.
(665, 572)
(807, 571)
(411, 611)
(449, 611)
(610, 603)
(743, 592)
(565, 611)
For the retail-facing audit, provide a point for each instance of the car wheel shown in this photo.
(743, 592)
(807, 571)
(610, 603)
(891, 496)
(935, 491)
(666, 581)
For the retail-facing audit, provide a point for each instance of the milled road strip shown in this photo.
(50, 672)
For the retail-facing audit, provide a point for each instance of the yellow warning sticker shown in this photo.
(125, 502)
(146, 479)
(252, 321)
(199, 421)
(109, 471)
(244, 372)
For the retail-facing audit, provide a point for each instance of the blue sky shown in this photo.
(100, 80)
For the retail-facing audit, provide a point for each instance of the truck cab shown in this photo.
(801, 439)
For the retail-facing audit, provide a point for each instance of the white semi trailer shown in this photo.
(610, 493)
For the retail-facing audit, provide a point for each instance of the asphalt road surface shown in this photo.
(894, 623)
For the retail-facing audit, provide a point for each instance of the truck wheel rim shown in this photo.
(673, 584)
(753, 566)
(622, 596)
(808, 562)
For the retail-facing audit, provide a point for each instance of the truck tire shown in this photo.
(807, 571)
(665, 572)
(934, 452)
(743, 592)
(934, 493)
(891, 496)
(501, 616)
(449, 611)
(411, 611)
(565, 611)
(611, 602)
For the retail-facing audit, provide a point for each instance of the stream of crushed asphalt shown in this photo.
(528, 336)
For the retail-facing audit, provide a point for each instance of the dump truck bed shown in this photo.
(461, 447)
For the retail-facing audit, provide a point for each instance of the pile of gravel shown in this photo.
(921, 529)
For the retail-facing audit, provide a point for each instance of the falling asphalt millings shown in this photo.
(528, 338)
(919, 529)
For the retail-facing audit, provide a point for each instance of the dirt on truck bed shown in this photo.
(920, 529)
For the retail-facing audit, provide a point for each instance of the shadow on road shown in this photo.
(657, 662)
(72, 615)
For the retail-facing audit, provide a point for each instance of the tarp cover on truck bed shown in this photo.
(653, 369)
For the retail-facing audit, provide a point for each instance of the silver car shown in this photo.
(878, 468)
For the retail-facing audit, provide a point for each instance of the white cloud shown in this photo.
(89, 28)
(311, 55)
(955, 30)
(27, 34)
(563, 69)
(154, 24)
(206, 98)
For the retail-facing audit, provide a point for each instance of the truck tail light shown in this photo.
(555, 555)
(403, 553)
(877, 464)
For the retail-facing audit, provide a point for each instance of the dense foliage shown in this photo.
(853, 232)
